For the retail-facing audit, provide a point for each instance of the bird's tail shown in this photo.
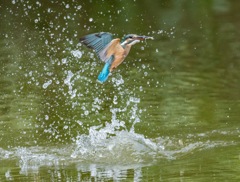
(103, 76)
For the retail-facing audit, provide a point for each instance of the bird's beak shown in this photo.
(142, 37)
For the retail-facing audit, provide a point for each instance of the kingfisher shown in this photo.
(111, 51)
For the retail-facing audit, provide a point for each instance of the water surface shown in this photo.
(170, 112)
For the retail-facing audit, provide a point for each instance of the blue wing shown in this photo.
(97, 41)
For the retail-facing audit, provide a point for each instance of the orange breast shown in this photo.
(119, 57)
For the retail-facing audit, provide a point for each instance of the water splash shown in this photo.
(67, 81)
(112, 142)
(123, 148)
(108, 157)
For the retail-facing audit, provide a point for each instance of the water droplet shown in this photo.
(45, 85)
(64, 60)
(134, 99)
(46, 117)
(76, 53)
(86, 113)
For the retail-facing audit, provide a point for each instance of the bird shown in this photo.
(111, 51)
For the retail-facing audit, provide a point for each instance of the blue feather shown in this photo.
(97, 41)
(103, 76)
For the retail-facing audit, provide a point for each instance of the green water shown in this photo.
(170, 112)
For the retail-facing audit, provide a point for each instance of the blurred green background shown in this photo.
(178, 92)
